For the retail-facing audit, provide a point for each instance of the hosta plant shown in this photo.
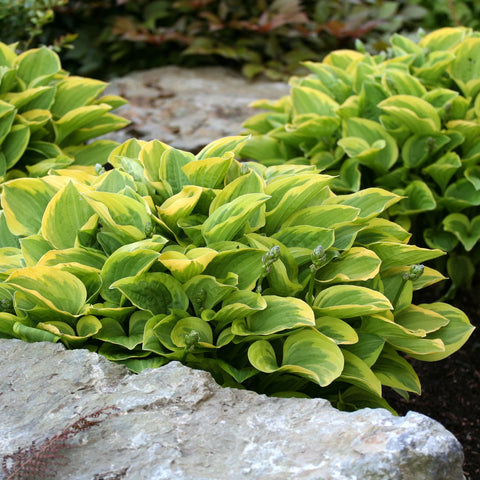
(47, 116)
(261, 275)
(407, 120)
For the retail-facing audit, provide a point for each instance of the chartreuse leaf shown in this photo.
(15, 144)
(74, 256)
(358, 373)
(66, 212)
(37, 66)
(179, 206)
(206, 291)
(31, 334)
(347, 301)
(309, 100)
(466, 230)
(7, 321)
(338, 330)
(86, 327)
(246, 263)
(227, 221)
(186, 326)
(283, 275)
(380, 150)
(153, 291)
(368, 347)
(74, 92)
(281, 314)
(412, 112)
(290, 194)
(305, 237)
(397, 255)
(223, 146)
(77, 118)
(121, 215)
(50, 288)
(11, 258)
(113, 332)
(356, 264)
(240, 304)
(465, 68)
(370, 201)
(209, 172)
(419, 198)
(452, 336)
(170, 168)
(327, 216)
(33, 248)
(420, 320)
(18, 193)
(307, 353)
(184, 266)
(410, 342)
(382, 230)
(394, 371)
(122, 264)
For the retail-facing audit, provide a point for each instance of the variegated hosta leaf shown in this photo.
(306, 353)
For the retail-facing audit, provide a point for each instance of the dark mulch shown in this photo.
(451, 390)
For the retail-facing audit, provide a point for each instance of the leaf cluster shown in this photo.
(47, 117)
(260, 275)
(406, 120)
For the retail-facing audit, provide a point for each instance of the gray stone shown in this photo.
(177, 423)
(188, 108)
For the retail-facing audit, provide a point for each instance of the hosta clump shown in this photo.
(407, 120)
(260, 275)
(46, 116)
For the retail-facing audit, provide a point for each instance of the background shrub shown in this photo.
(406, 120)
(118, 36)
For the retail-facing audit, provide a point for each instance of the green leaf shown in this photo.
(122, 264)
(370, 201)
(31, 335)
(368, 347)
(338, 330)
(246, 263)
(209, 172)
(394, 371)
(281, 314)
(113, 332)
(398, 255)
(466, 230)
(205, 291)
(309, 100)
(307, 353)
(453, 336)
(185, 266)
(74, 92)
(15, 144)
(17, 193)
(357, 372)
(227, 221)
(155, 292)
(347, 301)
(417, 115)
(356, 264)
(51, 288)
(465, 68)
(37, 66)
(224, 147)
(189, 325)
(326, 216)
(65, 214)
(240, 304)
(419, 199)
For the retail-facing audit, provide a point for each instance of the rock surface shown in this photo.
(177, 423)
(188, 108)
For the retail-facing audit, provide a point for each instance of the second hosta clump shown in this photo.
(407, 120)
(260, 275)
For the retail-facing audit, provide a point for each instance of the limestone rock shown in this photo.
(188, 108)
(177, 423)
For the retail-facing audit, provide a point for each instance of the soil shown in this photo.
(451, 390)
